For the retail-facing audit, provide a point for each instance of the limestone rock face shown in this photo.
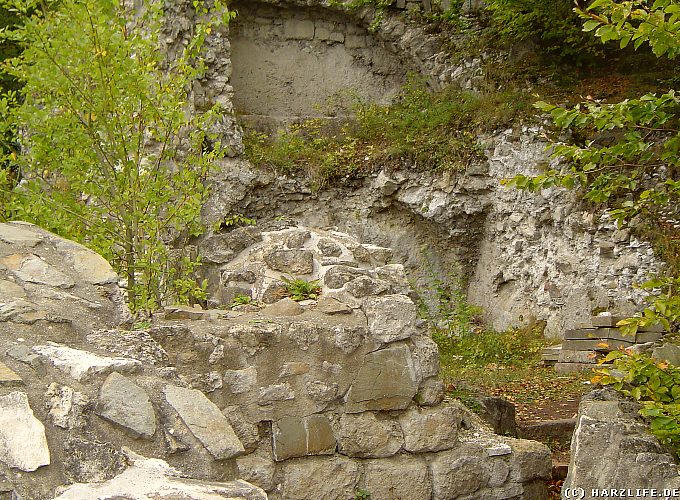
(22, 437)
(608, 426)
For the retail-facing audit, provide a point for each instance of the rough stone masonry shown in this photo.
(273, 399)
(524, 256)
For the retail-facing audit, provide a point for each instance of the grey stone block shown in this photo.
(299, 437)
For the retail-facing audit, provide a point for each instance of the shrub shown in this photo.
(422, 129)
(553, 26)
(109, 154)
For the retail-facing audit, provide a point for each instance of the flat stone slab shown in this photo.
(385, 381)
(299, 437)
(18, 235)
(667, 352)
(32, 269)
(205, 421)
(124, 403)
(22, 436)
(9, 290)
(8, 376)
(568, 356)
(566, 368)
(555, 430)
(642, 337)
(595, 345)
(23, 353)
(153, 478)
(82, 365)
(92, 267)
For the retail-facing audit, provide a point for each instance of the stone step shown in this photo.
(604, 345)
(569, 356)
(553, 430)
(551, 353)
(560, 471)
(611, 321)
(598, 333)
(567, 368)
(642, 336)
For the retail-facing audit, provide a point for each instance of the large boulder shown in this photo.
(612, 449)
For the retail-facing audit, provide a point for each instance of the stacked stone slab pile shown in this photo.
(275, 399)
(585, 345)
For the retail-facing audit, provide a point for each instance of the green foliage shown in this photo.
(241, 300)
(422, 129)
(656, 23)
(664, 306)
(299, 289)
(380, 7)
(109, 154)
(10, 19)
(444, 306)
(514, 347)
(232, 221)
(626, 155)
(362, 494)
(141, 325)
(655, 385)
(552, 25)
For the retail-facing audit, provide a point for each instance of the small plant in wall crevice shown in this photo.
(300, 289)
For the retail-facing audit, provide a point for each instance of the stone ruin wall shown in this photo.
(292, 66)
(527, 256)
(288, 400)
